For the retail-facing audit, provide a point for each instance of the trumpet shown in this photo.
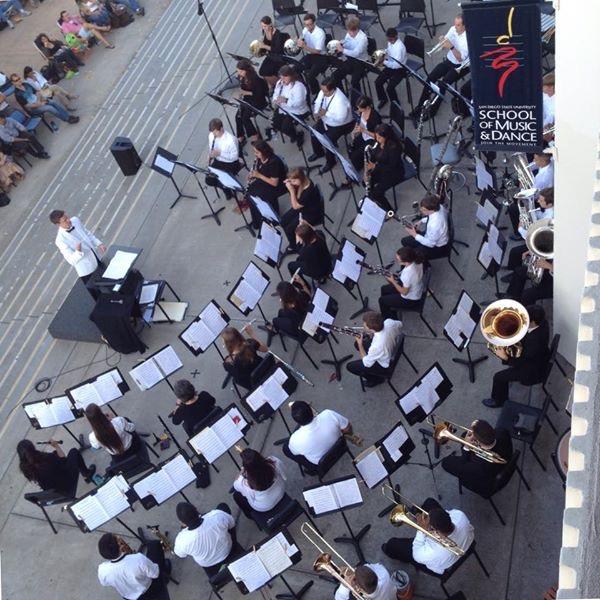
(465, 64)
(504, 324)
(447, 431)
(256, 50)
(439, 46)
(401, 514)
(324, 561)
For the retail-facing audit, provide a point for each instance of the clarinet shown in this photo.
(368, 157)
(381, 270)
(250, 179)
(212, 146)
(276, 93)
(353, 331)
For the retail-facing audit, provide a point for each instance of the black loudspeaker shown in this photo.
(126, 155)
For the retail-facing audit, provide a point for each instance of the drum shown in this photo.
(561, 455)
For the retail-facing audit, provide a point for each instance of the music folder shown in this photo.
(205, 328)
(50, 412)
(249, 289)
(268, 244)
(328, 497)
(102, 504)
(425, 395)
(155, 368)
(166, 479)
(276, 388)
(369, 221)
(100, 390)
(348, 262)
(322, 309)
(462, 321)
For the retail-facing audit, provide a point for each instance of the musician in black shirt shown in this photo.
(192, 406)
(313, 259)
(255, 91)
(242, 354)
(273, 41)
(295, 299)
(53, 470)
(364, 131)
(306, 201)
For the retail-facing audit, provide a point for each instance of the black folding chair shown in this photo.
(409, 22)
(367, 20)
(329, 13)
(47, 498)
(286, 13)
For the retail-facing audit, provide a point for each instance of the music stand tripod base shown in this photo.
(180, 194)
(292, 595)
(353, 539)
(335, 361)
(470, 363)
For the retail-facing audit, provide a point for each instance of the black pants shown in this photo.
(136, 444)
(334, 134)
(357, 152)
(515, 256)
(243, 503)
(75, 466)
(428, 253)
(95, 294)
(68, 57)
(500, 384)
(392, 77)
(516, 287)
(356, 71)
(313, 64)
(244, 126)
(31, 146)
(158, 587)
(287, 125)
(446, 71)
(513, 215)
(478, 481)
(308, 270)
(374, 374)
(390, 300)
(381, 183)
(309, 467)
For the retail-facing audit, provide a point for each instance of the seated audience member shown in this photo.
(373, 580)
(5, 8)
(376, 347)
(82, 29)
(431, 235)
(5, 108)
(48, 90)
(10, 173)
(35, 103)
(209, 539)
(261, 483)
(315, 436)
(58, 52)
(134, 6)
(313, 258)
(53, 470)
(242, 354)
(135, 576)
(192, 406)
(426, 551)
(93, 12)
(18, 140)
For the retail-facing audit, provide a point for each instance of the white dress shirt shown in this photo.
(37, 81)
(227, 145)
(549, 111)
(314, 440)
(436, 234)
(355, 47)
(433, 555)
(544, 177)
(459, 41)
(122, 427)
(83, 260)
(339, 111)
(385, 590)
(314, 40)
(396, 50)
(295, 93)
(264, 500)
(209, 544)
(131, 575)
(384, 344)
(412, 278)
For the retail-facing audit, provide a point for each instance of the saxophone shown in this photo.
(165, 542)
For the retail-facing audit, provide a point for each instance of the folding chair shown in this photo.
(408, 22)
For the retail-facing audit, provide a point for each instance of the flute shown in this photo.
(295, 273)
(295, 371)
(49, 442)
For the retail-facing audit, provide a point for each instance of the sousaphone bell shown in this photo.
(504, 324)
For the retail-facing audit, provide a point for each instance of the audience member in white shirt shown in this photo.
(422, 549)
(392, 72)
(431, 235)
(354, 45)
(373, 580)
(47, 89)
(134, 576)
(405, 289)
(314, 61)
(209, 539)
(316, 435)
(376, 347)
(114, 434)
(333, 114)
(261, 483)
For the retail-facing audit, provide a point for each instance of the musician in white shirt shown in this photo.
(431, 236)
(314, 61)
(334, 114)
(544, 177)
(373, 580)
(544, 207)
(223, 153)
(393, 72)
(316, 435)
(455, 43)
(134, 576)
(289, 94)
(114, 434)
(209, 539)
(353, 46)
(423, 549)
(376, 347)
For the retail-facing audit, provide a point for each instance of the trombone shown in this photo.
(401, 514)
(324, 561)
(447, 431)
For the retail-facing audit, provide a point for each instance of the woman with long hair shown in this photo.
(242, 354)
(114, 434)
(253, 90)
(260, 484)
(295, 299)
(53, 470)
(313, 259)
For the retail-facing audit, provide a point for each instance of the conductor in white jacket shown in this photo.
(79, 246)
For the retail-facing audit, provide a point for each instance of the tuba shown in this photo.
(540, 243)
(291, 47)
(526, 205)
(378, 57)
(523, 171)
(256, 50)
(504, 324)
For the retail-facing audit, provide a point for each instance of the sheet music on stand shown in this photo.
(119, 265)
(369, 221)
(102, 504)
(100, 390)
(167, 479)
(249, 289)
(326, 498)
(385, 456)
(226, 180)
(268, 244)
(265, 210)
(163, 162)
(155, 368)
(425, 395)
(488, 208)
(271, 392)
(267, 560)
(205, 328)
(482, 175)
(50, 412)
(462, 322)
(491, 251)
(322, 309)
(214, 440)
(347, 265)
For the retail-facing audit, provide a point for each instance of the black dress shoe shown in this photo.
(72, 120)
(268, 134)
(381, 104)
(490, 403)
(346, 185)
(300, 139)
(314, 157)
(325, 168)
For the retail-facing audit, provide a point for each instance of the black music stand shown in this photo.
(29, 408)
(268, 246)
(351, 280)
(207, 314)
(433, 25)
(251, 268)
(255, 112)
(164, 162)
(488, 209)
(306, 127)
(460, 328)
(491, 254)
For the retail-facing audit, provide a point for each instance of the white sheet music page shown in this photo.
(265, 209)
(465, 303)
(179, 472)
(227, 431)
(40, 411)
(369, 221)
(62, 409)
(211, 317)
(90, 511)
(255, 277)
(113, 497)
(274, 556)
(150, 486)
(208, 444)
(484, 177)
(452, 328)
(106, 387)
(146, 374)
(198, 335)
(371, 468)
(248, 296)
(164, 163)
(347, 492)
(485, 255)
(257, 399)
(84, 395)
(149, 292)
(394, 441)
(116, 376)
(250, 571)
(280, 376)
(321, 499)
(167, 360)
(427, 395)
(119, 265)
(274, 392)
(410, 401)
